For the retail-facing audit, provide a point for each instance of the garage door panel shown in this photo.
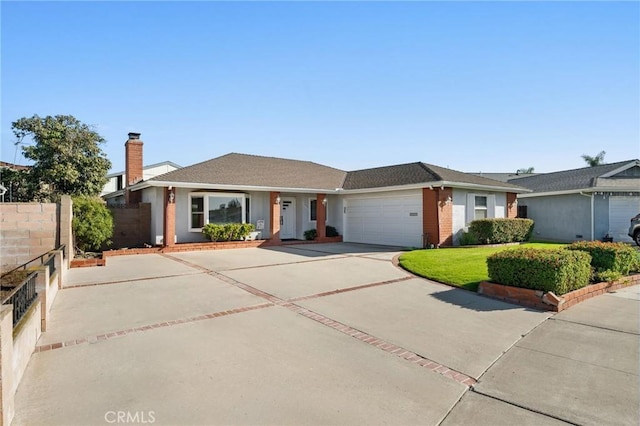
(385, 220)
(621, 210)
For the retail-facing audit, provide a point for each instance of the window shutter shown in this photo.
(471, 205)
(491, 206)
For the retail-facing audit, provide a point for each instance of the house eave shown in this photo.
(591, 190)
(434, 184)
(199, 185)
(113, 194)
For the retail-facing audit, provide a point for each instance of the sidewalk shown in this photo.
(580, 366)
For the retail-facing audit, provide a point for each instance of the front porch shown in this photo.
(278, 217)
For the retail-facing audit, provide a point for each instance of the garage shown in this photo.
(394, 219)
(621, 210)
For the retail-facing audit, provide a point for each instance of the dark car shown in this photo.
(634, 229)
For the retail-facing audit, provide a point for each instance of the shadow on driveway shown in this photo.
(474, 301)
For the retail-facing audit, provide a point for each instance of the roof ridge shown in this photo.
(383, 167)
(270, 157)
(427, 167)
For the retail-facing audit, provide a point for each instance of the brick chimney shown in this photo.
(133, 167)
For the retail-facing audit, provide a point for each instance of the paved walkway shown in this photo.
(314, 334)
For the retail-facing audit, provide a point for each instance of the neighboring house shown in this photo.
(401, 205)
(582, 204)
(113, 191)
(5, 165)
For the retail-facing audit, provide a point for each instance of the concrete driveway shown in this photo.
(308, 334)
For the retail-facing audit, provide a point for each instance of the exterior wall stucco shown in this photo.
(460, 220)
(563, 218)
(154, 197)
(601, 215)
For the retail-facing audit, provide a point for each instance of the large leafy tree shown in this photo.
(594, 161)
(17, 184)
(66, 154)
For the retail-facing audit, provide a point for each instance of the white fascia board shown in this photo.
(578, 191)
(196, 185)
(520, 190)
(435, 184)
(389, 188)
(621, 169)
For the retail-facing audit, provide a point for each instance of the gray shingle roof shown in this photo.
(253, 170)
(503, 177)
(413, 173)
(567, 180)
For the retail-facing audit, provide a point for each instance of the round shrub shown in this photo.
(92, 223)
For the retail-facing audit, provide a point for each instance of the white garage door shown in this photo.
(621, 210)
(394, 220)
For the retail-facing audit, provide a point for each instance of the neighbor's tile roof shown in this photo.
(254, 170)
(413, 173)
(567, 180)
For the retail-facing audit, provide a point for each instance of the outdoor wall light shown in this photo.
(324, 201)
(172, 197)
(449, 200)
(278, 199)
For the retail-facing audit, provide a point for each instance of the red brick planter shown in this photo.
(549, 301)
(214, 246)
(85, 263)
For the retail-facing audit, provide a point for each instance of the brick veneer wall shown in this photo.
(430, 215)
(445, 216)
(131, 225)
(27, 230)
(512, 206)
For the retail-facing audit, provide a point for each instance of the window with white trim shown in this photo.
(217, 207)
(480, 207)
(313, 210)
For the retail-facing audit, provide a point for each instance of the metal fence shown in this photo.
(47, 258)
(22, 297)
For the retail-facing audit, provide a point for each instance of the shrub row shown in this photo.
(559, 271)
(609, 261)
(501, 230)
(227, 231)
(312, 234)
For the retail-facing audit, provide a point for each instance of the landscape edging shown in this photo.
(549, 301)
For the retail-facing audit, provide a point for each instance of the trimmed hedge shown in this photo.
(227, 231)
(610, 261)
(501, 230)
(312, 234)
(559, 271)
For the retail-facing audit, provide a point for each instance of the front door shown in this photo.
(288, 218)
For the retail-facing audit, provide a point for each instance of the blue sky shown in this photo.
(474, 86)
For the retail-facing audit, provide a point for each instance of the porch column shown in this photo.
(430, 229)
(512, 205)
(321, 216)
(169, 235)
(274, 203)
(445, 216)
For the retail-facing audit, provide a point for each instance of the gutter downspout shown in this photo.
(592, 212)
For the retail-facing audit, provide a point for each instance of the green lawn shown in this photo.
(461, 267)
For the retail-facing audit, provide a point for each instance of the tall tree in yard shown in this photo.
(66, 154)
(594, 161)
